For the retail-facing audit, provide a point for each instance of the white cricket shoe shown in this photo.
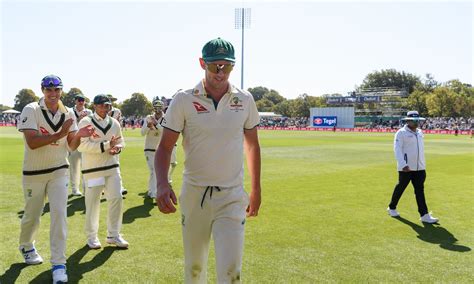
(393, 212)
(427, 218)
(118, 241)
(59, 274)
(31, 256)
(94, 243)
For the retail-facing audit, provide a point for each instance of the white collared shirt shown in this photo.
(96, 160)
(42, 161)
(212, 138)
(152, 135)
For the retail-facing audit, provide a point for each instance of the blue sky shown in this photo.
(312, 47)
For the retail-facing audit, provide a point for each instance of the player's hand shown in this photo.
(85, 131)
(114, 141)
(254, 204)
(115, 150)
(166, 199)
(65, 128)
(150, 125)
(406, 169)
(82, 114)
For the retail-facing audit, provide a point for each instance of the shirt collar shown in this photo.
(98, 118)
(199, 90)
(408, 128)
(61, 108)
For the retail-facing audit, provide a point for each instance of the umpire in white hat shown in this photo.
(409, 152)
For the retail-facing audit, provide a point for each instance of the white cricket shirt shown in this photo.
(152, 135)
(212, 138)
(49, 161)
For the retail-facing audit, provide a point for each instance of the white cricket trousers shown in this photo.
(35, 193)
(113, 194)
(150, 160)
(207, 211)
(75, 158)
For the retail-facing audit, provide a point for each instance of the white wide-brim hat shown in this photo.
(414, 115)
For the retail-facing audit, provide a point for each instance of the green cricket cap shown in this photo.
(102, 99)
(218, 49)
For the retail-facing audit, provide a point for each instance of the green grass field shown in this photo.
(322, 219)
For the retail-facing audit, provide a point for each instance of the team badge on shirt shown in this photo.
(236, 104)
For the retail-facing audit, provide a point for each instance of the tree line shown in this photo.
(430, 97)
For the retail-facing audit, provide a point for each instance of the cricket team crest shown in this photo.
(236, 104)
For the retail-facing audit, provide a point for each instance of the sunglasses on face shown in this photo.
(80, 99)
(215, 68)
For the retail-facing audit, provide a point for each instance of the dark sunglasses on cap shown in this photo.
(215, 68)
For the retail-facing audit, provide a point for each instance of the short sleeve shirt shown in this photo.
(48, 158)
(212, 136)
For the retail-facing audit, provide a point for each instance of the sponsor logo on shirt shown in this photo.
(24, 119)
(45, 132)
(200, 108)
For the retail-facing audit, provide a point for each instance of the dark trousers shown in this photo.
(417, 178)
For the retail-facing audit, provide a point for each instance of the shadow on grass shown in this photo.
(74, 204)
(435, 234)
(12, 273)
(75, 269)
(141, 211)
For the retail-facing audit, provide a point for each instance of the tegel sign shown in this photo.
(324, 121)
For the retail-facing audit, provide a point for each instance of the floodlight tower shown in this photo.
(242, 22)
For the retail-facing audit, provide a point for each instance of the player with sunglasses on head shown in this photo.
(216, 119)
(152, 131)
(410, 156)
(50, 131)
(75, 157)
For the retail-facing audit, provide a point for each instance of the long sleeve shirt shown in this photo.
(96, 159)
(409, 149)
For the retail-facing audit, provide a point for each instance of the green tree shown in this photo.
(390, 78)
(24, 97)
(258, 92)
(137, 105)
(283, 108)
(68, 98)
(264, 105)
(428, 84)
(274, 97)
(441, 102)
(4, 107)
(417, 101)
